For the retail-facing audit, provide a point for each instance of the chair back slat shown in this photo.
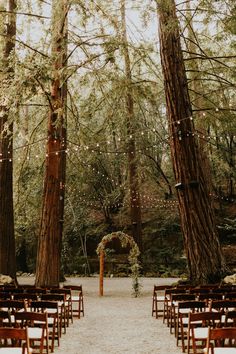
(222, 305)
(25, 296)
(13, 305)
(210, 296)
(37, 291)
(43, 305)
(18, 338)
(28, 318)
(194, 304)
(207, 318)
(161, 287)
(220, 338)
(53, 297)
(73, 287)
(182, 297)
(198, 291)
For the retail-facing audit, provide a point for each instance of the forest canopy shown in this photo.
(82, 89)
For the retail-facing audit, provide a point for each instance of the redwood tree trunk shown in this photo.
(197, 97)
(202, 247)
(135, 210)
(7, 237)
(50, 237)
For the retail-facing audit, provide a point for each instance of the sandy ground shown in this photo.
(117, 323)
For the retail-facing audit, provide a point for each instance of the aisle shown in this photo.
(117, 323)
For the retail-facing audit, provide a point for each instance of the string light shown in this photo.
(213, 140)
(77, 147)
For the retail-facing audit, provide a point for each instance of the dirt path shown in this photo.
(117, 323)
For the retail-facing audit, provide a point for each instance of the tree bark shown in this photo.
(135, 210)
(51, 229)
(7, 237)
(202, 247)
(197, 97)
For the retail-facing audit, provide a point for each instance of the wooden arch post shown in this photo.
(101, 273)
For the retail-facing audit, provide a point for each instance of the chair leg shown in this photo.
(188, 341)
(82, 305)
(154, 306)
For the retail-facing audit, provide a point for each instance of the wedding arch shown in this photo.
(134, 253)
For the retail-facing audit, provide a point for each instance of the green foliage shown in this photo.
(228, 231)
(97, 194)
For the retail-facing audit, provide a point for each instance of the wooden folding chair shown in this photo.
(77, 298)
(37, 323)
(61, 301)
(198, 323)
(221, 341)
(158, 298)
(14, 341)
(68, 302)
(167, 302)
(174, 301)
(52, 309)
(182, 313)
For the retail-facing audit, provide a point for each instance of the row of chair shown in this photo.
(181, 304)
(191, 314)
(160, 301)
(206, 328)
(74, 293)
(49, 309)
(42, 320)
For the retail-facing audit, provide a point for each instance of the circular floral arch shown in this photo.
(134, 253)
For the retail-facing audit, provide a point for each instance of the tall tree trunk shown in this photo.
(135, 210)
(202, 247)
(198, 101)
(50, 236)
(7, 237)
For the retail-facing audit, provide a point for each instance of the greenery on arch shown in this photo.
(134, 253)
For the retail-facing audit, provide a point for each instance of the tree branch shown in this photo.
(24, 14)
